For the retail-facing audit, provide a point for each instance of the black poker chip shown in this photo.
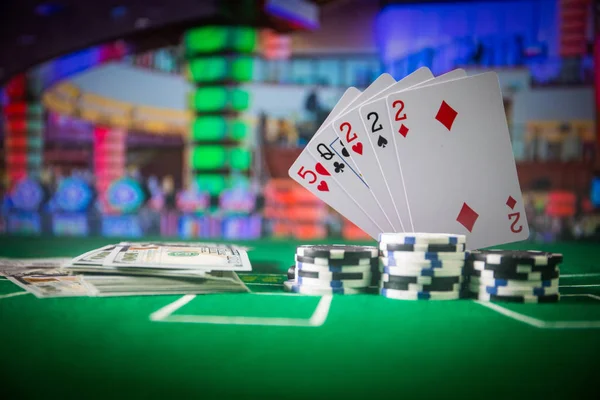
(549, 298)
(431, 248)
(545, 275)
(511, 258)
(374, 262)
(334, 276)
(337, 251)
(425, 280)
(434, 287)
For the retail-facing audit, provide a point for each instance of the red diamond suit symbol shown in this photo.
(446, 115)
(467, 217)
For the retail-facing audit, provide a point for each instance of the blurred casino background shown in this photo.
(181, 118)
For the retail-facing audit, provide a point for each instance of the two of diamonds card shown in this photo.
(422, 154)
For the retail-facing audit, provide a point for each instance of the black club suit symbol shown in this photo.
(339, 167)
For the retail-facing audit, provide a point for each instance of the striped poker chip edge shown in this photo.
(521, 257)
(552, 298)
(421, 237)
(337, 252)
(330, 268)
(516, 276)
(292, 286)
(336, 263)
(423, 255)
(506, 291)
(411, 295)
(429, 247)
(333, 276)
(513, 283)
(393, 262)
(434, 272)
(422, 280)
(346, 283)
(416, 287)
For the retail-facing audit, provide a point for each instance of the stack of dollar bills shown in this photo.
(143, 268)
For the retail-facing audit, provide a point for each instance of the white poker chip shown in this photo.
(422, 256)
(337, 251)
(513, 283)
(421, 238)
(411, 295)
(436, 272)
(345, 283)
(509, 291)
(333, 268)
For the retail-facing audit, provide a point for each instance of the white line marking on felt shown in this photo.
(593, 296)
(317, 319)
(512, 314)
(171, 308)
(274, 294)
(320, 315)
(538, 323)
(579, 275)
(593, 285)
(6, 296)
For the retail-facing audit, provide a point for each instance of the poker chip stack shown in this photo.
(513, 276)
(332, 269)
(421, 266)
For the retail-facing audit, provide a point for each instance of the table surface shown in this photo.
(270, 344)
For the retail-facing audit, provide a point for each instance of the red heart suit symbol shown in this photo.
(323, 187)
(321, 169)
(358, 148)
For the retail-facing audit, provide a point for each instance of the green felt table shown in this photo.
(272, 345)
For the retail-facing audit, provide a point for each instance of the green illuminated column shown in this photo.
(219, 61)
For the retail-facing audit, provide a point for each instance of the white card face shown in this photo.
(327, 149)
(382, 162)
(457, 162)
(352, 133)
(312, 175)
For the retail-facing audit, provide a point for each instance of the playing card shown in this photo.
(457, 162)
(351, 132)
(336, 159)
(312, 175)
(379, 163)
